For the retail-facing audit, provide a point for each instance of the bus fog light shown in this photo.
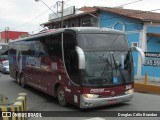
(129, 91)
(90, 104)
(90, 95)
(87, 104)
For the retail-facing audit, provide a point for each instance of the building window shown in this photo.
(135, 44)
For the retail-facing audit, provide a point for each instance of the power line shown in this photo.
(138, 13)
(49, 8)
(143, 12)
(116, 6)
(79, 2)
(122, 6)
(30, 20)
(55, 13)
(129, 3)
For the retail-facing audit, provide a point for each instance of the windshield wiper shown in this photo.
(106, 67)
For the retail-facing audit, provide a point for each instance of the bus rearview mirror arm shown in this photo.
(81, 58)
(140, 52)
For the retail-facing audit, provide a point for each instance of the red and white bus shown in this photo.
(86, 67)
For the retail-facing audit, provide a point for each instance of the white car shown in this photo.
(4, 66)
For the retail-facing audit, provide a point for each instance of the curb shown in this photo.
(8, 110)
(147, 88)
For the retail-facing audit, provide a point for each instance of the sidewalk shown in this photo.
(149, 86)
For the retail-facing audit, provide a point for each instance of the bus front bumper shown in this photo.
(97, 102)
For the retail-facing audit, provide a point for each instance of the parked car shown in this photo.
(4, 66)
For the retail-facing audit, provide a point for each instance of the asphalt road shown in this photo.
(38, 101)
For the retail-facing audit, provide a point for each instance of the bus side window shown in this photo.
(31, 50)
(51, 46)
(12, 49)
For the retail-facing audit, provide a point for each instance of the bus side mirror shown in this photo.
(81, 58)
(140, 52)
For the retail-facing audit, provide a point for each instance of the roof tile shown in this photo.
(137, 14)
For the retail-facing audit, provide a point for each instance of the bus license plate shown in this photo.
(112, 101)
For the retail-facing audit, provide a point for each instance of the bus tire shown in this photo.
(22, 81)
(61, 96)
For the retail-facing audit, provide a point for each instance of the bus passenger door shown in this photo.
(71, 63)
(74, 76)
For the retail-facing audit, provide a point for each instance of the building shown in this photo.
(7, 35)
(86, 16)
(141, 27)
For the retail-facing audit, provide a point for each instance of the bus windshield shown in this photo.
(108, 59)
(106, 68)
(103, 42)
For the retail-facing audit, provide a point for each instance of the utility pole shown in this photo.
(62, 5)
(62, 14)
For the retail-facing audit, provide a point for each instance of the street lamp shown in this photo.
(45, 4)
(53, 11)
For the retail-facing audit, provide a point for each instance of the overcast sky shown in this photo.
(26, 15)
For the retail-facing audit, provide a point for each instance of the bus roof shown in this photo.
(94, 30)
(72, 29)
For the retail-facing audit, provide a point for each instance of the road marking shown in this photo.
(96, 118)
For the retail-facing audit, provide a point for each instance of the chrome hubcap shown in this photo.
(61, 95)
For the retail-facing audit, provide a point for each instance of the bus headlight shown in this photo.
(90, 95)
(129, 91)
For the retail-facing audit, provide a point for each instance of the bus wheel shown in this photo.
(61, 96)
(22, 81)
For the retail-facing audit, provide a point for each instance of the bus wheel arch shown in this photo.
(55, 88)
(60, 94)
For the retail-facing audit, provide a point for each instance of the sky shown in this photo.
(27, 15)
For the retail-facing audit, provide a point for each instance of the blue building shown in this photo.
(141, 27)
